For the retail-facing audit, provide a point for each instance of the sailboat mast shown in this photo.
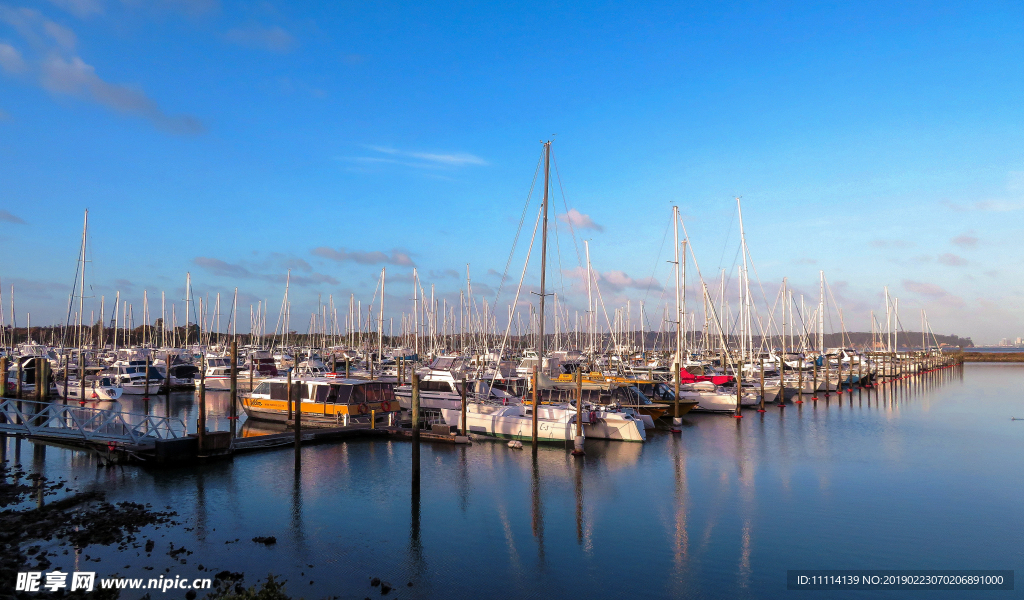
(543, 253)
(590, 301)
(81, 295)
(679, 302)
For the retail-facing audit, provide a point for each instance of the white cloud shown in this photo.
(80, 8)
(579, 220)
(11, 60)
(416, 159)
(397, 257)
(265, 38)
(77, 78)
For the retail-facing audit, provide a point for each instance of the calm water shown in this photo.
(929, 478)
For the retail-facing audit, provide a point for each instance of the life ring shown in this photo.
(385, 406)
(363, 409)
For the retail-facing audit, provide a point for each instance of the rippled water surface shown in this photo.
(924, 474)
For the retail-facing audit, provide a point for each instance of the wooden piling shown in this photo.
(81, 376)
(289, 393)
(579, 410)
(536, 379)
(800, 383)
(19, 385)
(348, 367)
(739, 390)
(762, 384)
(233, 411)
(828, 378)
(39, 378)
(145, 395)
(3, 377)
(675, 382)
(201, 429)
(465, 426)
(297, 390)
(414, 411)
(167, 361)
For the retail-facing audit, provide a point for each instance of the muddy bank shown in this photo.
(994, 357)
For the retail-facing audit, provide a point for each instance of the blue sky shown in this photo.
(879, 142)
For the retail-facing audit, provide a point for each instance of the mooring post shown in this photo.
(828, 376)
(67, 376)
(762, 384)
(577, 447)
(676, 419)
(297, 390)
(814, 393)
(465, 426)
(800, 382)
(536, 379)
(289, 393)
(739, 390)
(3, 377)
(233, 411)
(39, 378)
(348, 367)
(334, 364)
(415, 413)
(415, 410)
(167, 361)
(145, 395)
(201, 430)
(19, 385)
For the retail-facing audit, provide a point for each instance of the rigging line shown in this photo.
(519, 230)
(572, 230)
(657, 261)
(515, 302)
(728, 236)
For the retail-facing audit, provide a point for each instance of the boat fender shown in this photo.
(593, 416)
(94, 395)
(364, 408)
(385, 406)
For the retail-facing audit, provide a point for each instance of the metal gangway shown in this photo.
(83, 424)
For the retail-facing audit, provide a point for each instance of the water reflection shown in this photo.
(723, 509)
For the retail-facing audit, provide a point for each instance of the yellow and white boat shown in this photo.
(322, 399)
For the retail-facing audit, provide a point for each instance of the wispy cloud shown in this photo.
(221, 268)
(59, 70)
(7, 217)
(613, 280)
(965, 241)
(877, 243)
(952, 260)
(80, 8)
(579, 220)
(417, 160)
(396, 257)
(265, 38)
(932, 291)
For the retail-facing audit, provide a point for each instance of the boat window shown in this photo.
(278, 391)
(358, 394)
(695, 370)
(303, 391)
(340, 394)
(105, 382)
(262, 388)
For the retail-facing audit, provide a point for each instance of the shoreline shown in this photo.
(993, 356)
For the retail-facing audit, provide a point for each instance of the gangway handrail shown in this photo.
(51, 419)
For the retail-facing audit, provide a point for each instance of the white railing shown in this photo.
(45, 419)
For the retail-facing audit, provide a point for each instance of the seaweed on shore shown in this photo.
(79, 520)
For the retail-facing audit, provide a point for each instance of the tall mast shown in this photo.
(821, 313)
(543, 252)
(415, 315)
(590, 301)
(380, 320)
(81, 295)
(188, 289)
(679, 303)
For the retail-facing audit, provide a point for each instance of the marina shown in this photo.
(722, 510)
(664, 300)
